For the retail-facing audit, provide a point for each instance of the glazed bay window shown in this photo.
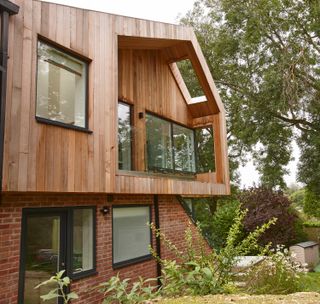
(124, 136)
(170, 147)
(205, 149)
(61, 87)
(131, 234)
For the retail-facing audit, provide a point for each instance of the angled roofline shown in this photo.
(9, 7)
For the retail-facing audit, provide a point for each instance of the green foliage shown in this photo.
(198, 271)
(297, 198)
(312, 223)
(120, 291)
(61, 283)
(310, 282)
(264, 55)
(277, 274)
(221, 222)
(311, 205)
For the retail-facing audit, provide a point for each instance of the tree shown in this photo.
(264, 56)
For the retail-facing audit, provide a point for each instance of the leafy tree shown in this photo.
(264, 56)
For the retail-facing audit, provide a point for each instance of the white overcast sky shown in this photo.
(167, 11)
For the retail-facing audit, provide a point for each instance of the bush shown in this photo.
(116, 290)
(277, 274)
(264, 204)
(311, 205)
(195, 271)
(221, 223)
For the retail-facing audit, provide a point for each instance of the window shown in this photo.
(183, 143)
(205, 149)
(170, 147)
(61, 87)
(124, 136)
(159, 143)
(82, 245)
(54, 239)
(131, 234)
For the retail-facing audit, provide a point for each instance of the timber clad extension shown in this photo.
(99, 137)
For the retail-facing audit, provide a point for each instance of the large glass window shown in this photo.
(124, 136)
(131, 234)
(82, 240)
(205, 149)
(170, 147)
(159, 143)
(183, 143)
(61, 87)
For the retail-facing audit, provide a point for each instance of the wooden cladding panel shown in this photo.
(40, 157)
(145, 80)
(149, 185)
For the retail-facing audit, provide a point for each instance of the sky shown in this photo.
(169, 11)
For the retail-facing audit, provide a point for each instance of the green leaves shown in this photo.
(264, 55)
(59, 284)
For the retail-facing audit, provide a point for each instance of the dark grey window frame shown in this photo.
(120, 101)
(86, 62)
(137, 259)
(66, 214)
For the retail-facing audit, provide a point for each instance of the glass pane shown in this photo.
(131, 234)
(42, 256)
(183, 142)
(82, 240)
(205, 150)
(159, 144)
(60, 86)
(124, 137)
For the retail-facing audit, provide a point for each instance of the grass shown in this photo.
(311, 282)
(295, 298)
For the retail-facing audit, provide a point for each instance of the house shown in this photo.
(99, 135)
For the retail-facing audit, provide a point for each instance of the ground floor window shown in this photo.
(131, 234)
(54, 239)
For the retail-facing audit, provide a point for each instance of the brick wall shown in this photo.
(173, 221)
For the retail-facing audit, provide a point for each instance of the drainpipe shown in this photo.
(7, 8)
(158, 241)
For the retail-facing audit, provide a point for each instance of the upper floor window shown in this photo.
(124, 136)
(61, 87)
(170, 147)
(205, 149)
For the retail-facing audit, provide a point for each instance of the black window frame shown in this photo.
(173, 170)
(86, 61)
(130, 106)
(136, 259)
(66, 214)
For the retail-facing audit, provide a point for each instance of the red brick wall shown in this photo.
(173, 221)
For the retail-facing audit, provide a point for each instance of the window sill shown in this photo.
(157, 175)
(132, 261)
(61, 124)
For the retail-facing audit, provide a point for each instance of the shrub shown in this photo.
(221, 223)
(311, 205)
(264, 204)
(120, 291)
(195, 271)
(62, 284)
(277, 274)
